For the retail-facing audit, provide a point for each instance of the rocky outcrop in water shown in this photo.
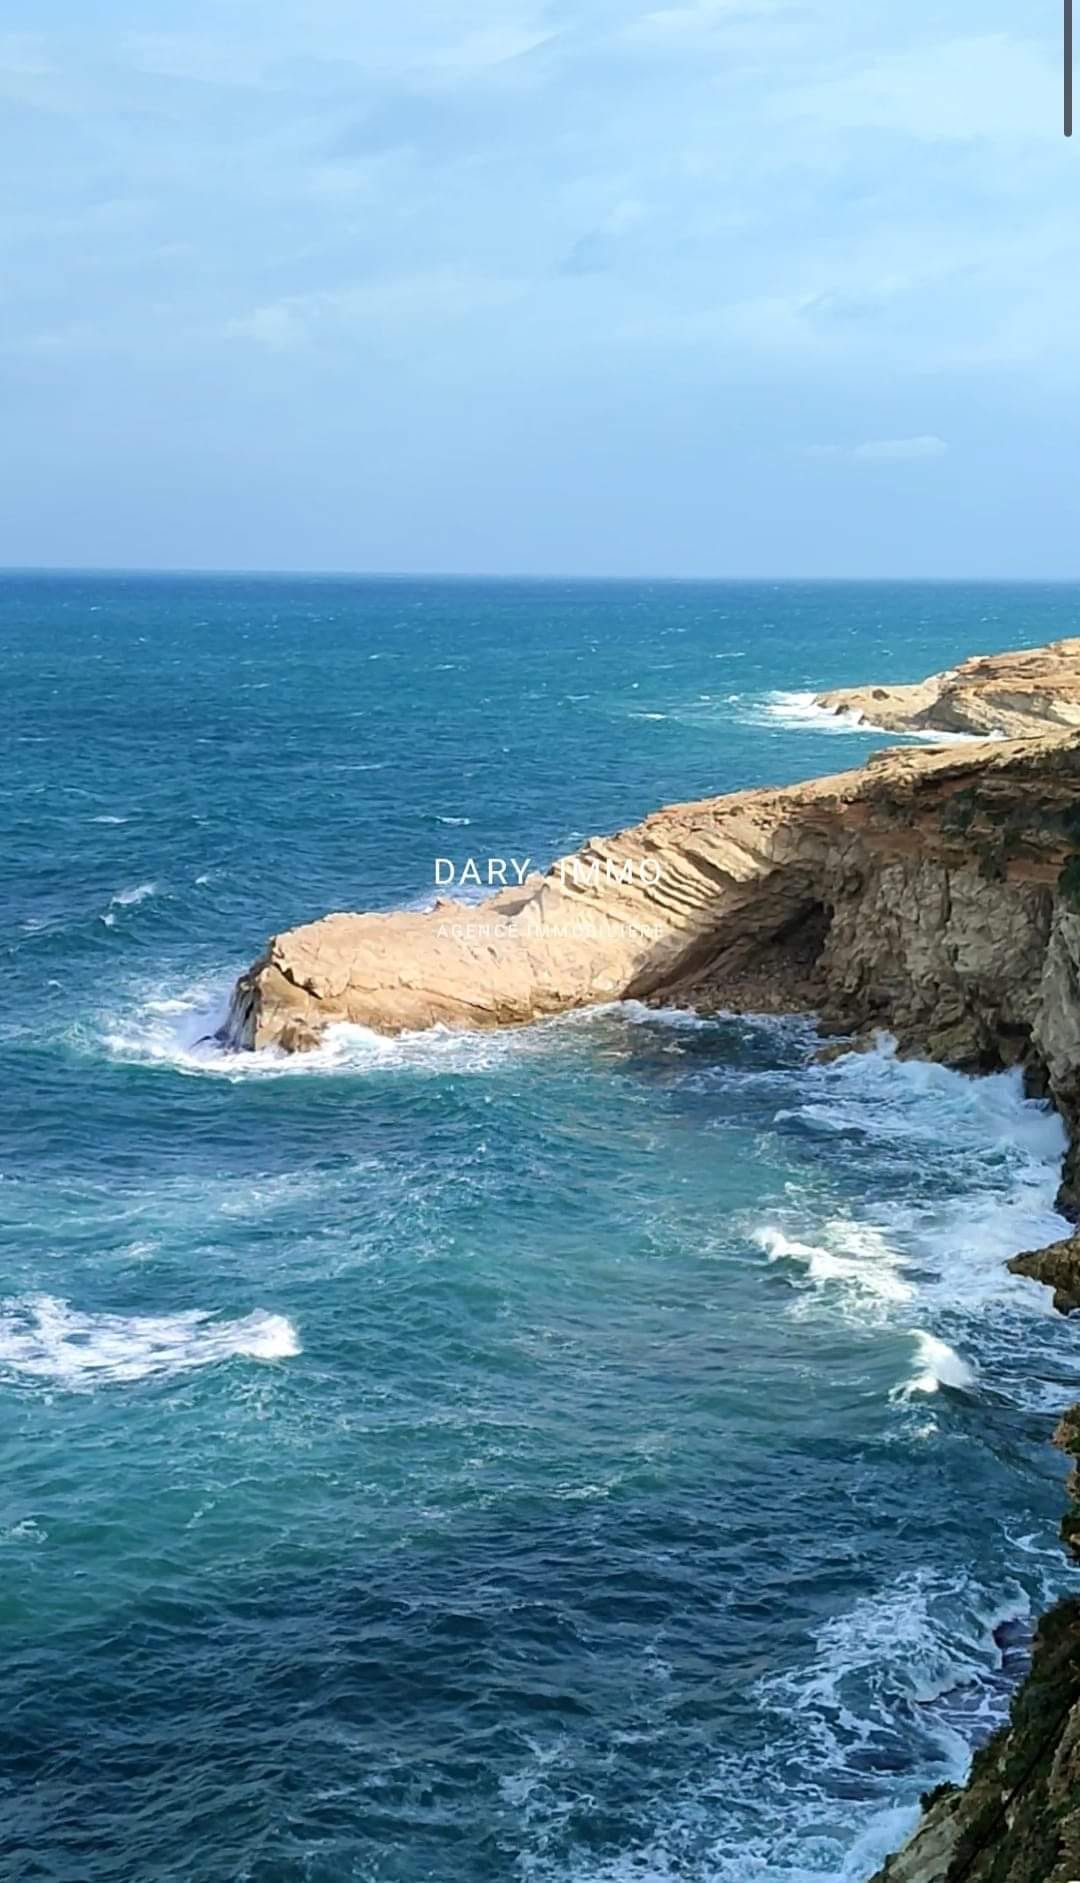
(1057, 1267)
(1013, 696)
(935, 893)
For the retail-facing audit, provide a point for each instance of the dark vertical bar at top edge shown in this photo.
(1068, 68)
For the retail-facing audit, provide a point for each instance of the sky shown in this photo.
(717, 287)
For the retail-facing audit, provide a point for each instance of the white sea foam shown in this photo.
(127, 899)
(976, 1168)
(798, 711)
(178, 1031)
(108, 820)
(913, 1105)
(637, 1013)
(917, 1664)
(853, 1256)
(47, 1339)
(938, 1365)
(921, 1642)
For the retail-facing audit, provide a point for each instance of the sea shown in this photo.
(606, 1451)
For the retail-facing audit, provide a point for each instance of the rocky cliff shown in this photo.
(1017, 1819)
(935, 893)
(1012, 696)
(932, 892)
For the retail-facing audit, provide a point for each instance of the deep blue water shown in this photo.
(609, 1452)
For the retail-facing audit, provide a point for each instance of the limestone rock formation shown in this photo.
(933, 892)
(1013, 695)
(1058, 1267)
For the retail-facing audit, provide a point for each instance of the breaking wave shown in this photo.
(939, 1365)
(967, 1175)
(47, 1339)
(853, 1255)
(927, 1661)
(127, 899)
(798, 711)
(179, 1031)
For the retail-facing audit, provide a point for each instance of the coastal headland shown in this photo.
(934, 893)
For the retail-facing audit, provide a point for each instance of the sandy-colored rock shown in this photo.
(926, 1856)
(1057, 1267)
(1014, 696)
(935, 893)
(930, 892)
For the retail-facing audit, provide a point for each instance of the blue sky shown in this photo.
(714, 287)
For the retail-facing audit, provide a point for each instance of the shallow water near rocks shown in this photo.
(611, 1451)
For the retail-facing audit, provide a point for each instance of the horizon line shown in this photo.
(208, 573)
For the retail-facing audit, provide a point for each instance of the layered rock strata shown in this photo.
(1013, 696)
(935, 893)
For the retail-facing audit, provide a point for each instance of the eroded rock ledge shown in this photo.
(935, 892)
(1012, 696)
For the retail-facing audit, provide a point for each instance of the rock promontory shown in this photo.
(1009, 696)
(932, 892)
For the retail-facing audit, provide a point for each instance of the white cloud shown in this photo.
(690, 25)
(900, 450)
(884, 450)
(493, 44)
(277, 328)
(988, 86)
(431, 295)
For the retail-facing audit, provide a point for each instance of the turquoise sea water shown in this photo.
(609, 1452)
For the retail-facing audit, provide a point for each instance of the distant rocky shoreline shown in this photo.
(934, 893)
(1005, 696)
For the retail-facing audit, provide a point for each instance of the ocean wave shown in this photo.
(637, 1013)
(128, 899)
(968, 1172)
(883, 1097)
(797, 711)
(929, 1646)
(179, 1031)
(853, 1255)
(902, 1682)
(938, 1365)
(45, 1338)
